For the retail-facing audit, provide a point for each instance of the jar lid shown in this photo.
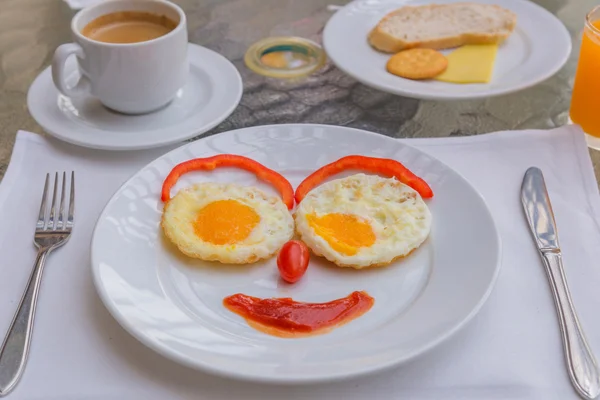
(284, 57)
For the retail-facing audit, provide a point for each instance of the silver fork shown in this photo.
(51, 232)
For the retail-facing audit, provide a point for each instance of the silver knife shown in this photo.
(582, 366)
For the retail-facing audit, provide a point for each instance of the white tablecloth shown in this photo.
(511, 350)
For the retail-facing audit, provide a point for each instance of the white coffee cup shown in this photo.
(131, 78)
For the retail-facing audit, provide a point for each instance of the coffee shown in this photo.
(128, 27)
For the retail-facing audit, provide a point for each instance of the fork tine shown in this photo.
(70, 218)
(42, 217)
(60, 225)
(51, 220)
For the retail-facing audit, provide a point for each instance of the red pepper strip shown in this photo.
(384, 166)
(230, 160)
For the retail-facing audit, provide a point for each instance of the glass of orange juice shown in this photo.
(585, 103)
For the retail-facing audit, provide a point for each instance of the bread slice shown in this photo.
(442, 26)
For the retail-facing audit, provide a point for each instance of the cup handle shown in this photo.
(62, 53)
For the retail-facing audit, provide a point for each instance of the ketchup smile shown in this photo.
(285, 317)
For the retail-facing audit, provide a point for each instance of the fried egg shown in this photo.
(229, 223)
(363, 220)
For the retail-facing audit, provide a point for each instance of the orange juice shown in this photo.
(585, 110)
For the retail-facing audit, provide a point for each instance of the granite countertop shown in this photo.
(30, 31)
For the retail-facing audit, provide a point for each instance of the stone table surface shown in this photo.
(30, 31)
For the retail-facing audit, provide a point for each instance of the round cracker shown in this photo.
(417, 64)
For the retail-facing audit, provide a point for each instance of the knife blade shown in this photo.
(538, 210)
(581, 364)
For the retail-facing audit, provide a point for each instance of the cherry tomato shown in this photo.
(292, 260)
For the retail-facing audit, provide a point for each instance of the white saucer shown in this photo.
(536, 50)
(213, 91)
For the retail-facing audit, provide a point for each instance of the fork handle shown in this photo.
(582, 366)
(14, 351)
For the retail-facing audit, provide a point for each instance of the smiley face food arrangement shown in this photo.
(414, 34)
(360, 221)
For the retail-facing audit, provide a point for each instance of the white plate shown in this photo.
(173, 304)
(213, 91)
(536, 50)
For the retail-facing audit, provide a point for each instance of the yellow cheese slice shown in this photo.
(470, 64)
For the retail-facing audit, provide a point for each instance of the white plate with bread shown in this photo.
(447, 49)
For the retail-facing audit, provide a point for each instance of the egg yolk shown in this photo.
(345, 233)
(225, 222)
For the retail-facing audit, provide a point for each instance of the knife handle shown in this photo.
(583, 369)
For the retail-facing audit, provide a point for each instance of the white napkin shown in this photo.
(511, 350)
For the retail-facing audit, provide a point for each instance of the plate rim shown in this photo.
(286, 380)
(36, 106)
(454, 96)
